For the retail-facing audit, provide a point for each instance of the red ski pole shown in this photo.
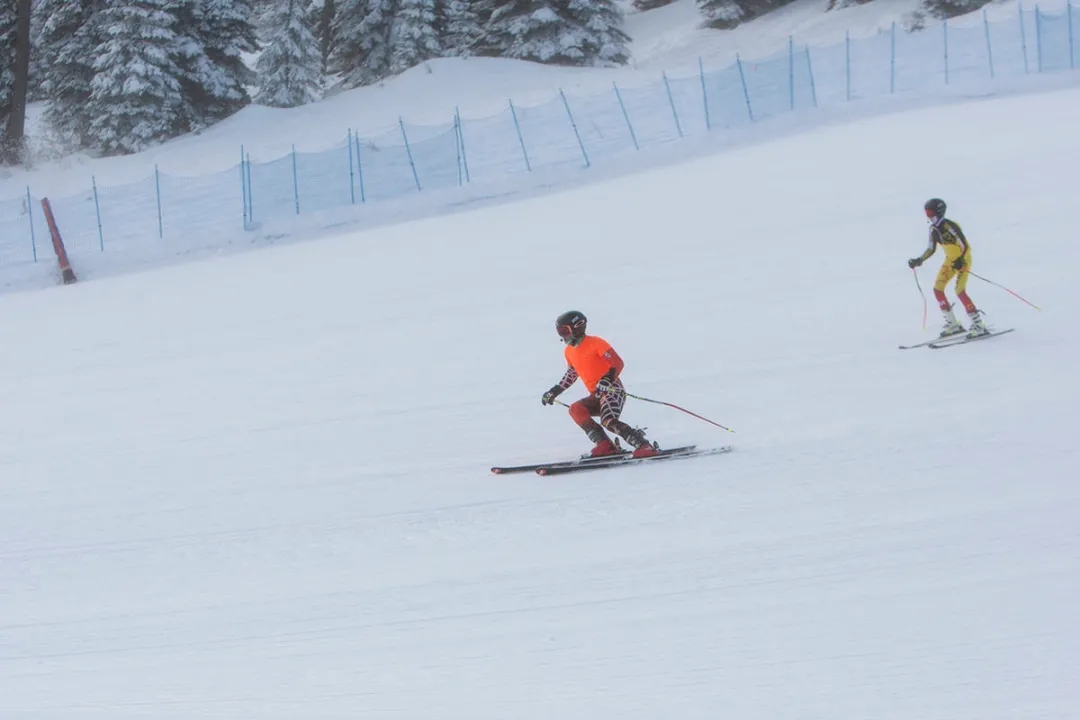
(1005, 289)
(680, 409)
(922, 295)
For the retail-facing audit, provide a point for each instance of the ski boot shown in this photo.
(603, 448)
(642, 447)
(977, 326)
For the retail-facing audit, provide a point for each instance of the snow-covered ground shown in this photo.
(258, 487)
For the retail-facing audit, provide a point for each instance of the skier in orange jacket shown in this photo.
(596, 363)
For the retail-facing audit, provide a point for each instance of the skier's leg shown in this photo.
(611, 406)
(977, 326)
(945, 274)
(583, 412)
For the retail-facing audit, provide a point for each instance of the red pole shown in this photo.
(66, 272)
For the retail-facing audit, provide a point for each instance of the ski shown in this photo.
(673, 454)
(966, 340)
(937, 340)
(530, 467)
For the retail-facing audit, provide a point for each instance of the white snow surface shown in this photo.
(258, 486)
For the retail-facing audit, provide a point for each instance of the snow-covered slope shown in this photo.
(258, 487)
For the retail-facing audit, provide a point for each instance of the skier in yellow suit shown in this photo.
(950, 237)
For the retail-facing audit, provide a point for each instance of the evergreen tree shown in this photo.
(290, 68)
(413, 35)
(214, 35)
(70, 32)
(362, 32)
(945, 9)
(460, 26)
(326, 10)
(7, 57)
(650, 4)
(574, 32)
(726, 14)
(136, 92)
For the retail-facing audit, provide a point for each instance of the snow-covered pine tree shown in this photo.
(945, 9)
(214, 35)
(578, 32)
(326, 10)
(413, 35)
(602, 20)
(460, 26)
(726, 14)
(70, 32)
(362, 31)
(135, 94)
(7, 57)
(650, 4)
(290, 67)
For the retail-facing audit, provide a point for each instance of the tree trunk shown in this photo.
(13, 136)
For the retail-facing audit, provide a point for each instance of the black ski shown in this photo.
(583, 461)
(966, 339)
(609, 462)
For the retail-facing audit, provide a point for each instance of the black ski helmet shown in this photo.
(935, 208)
(571, 327)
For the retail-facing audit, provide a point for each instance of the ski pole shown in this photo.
(922, 295)
(1005, 289)
(680, 409)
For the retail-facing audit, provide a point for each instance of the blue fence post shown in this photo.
(30, 216)
(847, 61)
(250, 194)
(989, 47)
(352, 171)
(573, 124)
(521, 138)
(626, 115)
(360, 169)
(810, 69)
(671, 101)
(1068, 14)
(97, 209)
(746, 92)
(791, 71)
(704, 94)
(945, 38)
(243, 188)
(295, 181)
(1023, 37)
(1038, 39)
(408, 151)
(461, 139)
(457, 153)
(157, 191)
(892, 60)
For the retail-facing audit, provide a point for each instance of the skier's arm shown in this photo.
(930, 248)
(613, 372)
(568, 379)
(963, 242)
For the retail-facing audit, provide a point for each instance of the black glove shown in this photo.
(550, 395)
(958, 263)
(606, 383)
(914, 262)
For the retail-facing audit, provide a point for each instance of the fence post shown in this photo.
(671, 101)
(1023, 37)
(461, 139)
(989, 47)
(243, 188)
(704, 94)
(791, 71)
(1038, 39)
(1068, 14)
(30, 216)
(251, 194)
(626, 115)
(746, 92)
(521, 138)
(945, 36)
(352, 172)
(295, 181)
(157, 190)
(892, 59)
(97, 209)
(810, 68)
(457, 153)
(360, 170)
(408, 151)
(573, 124)
(847, 61)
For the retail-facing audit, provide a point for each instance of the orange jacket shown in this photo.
(590, 360)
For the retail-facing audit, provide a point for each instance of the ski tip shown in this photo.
(541, 471)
